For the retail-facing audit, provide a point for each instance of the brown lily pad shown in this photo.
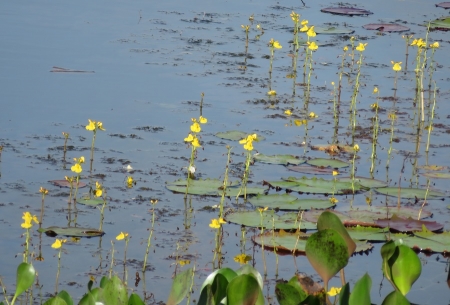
(65, 183)
(308, 169)
(445, 5)
(347, 11)
(386, 27)
(408, 224)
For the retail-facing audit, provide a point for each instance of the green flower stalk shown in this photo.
(28, 220)
(248, 147)
(66, 137)
(375, 127)
(433, 46)
(341, 72)
(112, 260)
(58, 245)
(149, 241)
(353, 109)
(100, 192)
(76, 168)
(392, 116)
(126, 237)
(225, 182)
(396, 66)
(312, 47)
(261, 211)
(407, 39)
(43, 192)
(273, 44)
(352, 174)
(217, 225)
(94, 126)
(431, 119)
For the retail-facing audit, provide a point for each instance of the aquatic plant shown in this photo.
(247, 144)
(149, 240)
(94, 126)
(58, 245)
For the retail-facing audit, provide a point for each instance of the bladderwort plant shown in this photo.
(296, 44)
(247, 30)
(100, 192)
(274, 245)
(247, 144)
(333, 199)
(261, 212)
(312, 47)
(432, 67)
(149, 240)
(225, 182)
(375, 128)
(94, 126)
(341, 72)
(352, 173)
(66, 137)
(407, 39)
(216, 223)
(77, 169)
(420, 63)
(124, 236)
(353, 108)
(273, 44)
(27, 224)
(429, 128)
(43, 192)
(335, 114)
(58, 245)
(397, 67)
(392, 117)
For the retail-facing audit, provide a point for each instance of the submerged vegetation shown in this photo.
(278, 222)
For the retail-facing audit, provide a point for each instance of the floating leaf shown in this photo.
(235, 135)
(442, 24)
(333, 149)
(366, 182)
(180, 287)
(445, 5)
(71, 231)
(433, 167)
(368, 233)
(278, 159)
(437, 175)
(65, 183)
(333, 163)
(234, 191)
(410, 193)
(286, 221)
(386, 27)
(314, 215)
(349, 11)
(408, 224)
(289, 202)
(322, 186)
(333, 30)
(90, 201)
(367, 216)
(309, 169)
(211, 187)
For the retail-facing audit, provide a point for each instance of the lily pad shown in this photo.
(90, 201)
(322, 186)
(432, 167)
(437, 175)
(366, 182)
(442, 24)
(313, 216)
(445, 5)
(386, 27)
(367, 233)
(286, 221)
(333, 149)
(333, 163)
(289, 202)
(333, 30)
(278, 159)
(211, 187)
(236, 135)
(408, 224)
(371, 214)
(410, 193)
(65, 183)
(309, 169)
(348, 11)
(234, 191)
(71, 231)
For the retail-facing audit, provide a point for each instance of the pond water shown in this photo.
(146, 65)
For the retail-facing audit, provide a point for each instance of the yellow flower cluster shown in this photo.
(195, 128)
(312, 46)
(130, 182)
(77, 167)
(93, 126)
(274, 44)
(216, 223)
(304, 24)
(98, 189)
(334, 291)
(271, 93)
(333, 200)
(245, 27)
(242, 258)
(43, 191)
(419, 43)
(248, 142)
(434, 45)
(28, 220)
(295, 17)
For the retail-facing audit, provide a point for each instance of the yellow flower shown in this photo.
(242, 258)
(91, 125)
(263, 209)
(195, 127)
(27, 220)
(245, 27)
(334, 291)
(304, 28)
(304, 22)
(274, 44)
(189, 138)
(184, 262)
(122, 235)
(375, 106)
(248, 146)
(100, 126)
(311, 32)
(419, 43)
(396, 66)
(368, 200)
(333, 200)
(392, 116)
(43, 191)
(356, 147)
(195, 142)
(312, 115)
(375, 90)
(312, 46)
(153, 201)
(288, 112)
(98, 189)
(272, 92)
(258, 27)
(434, 45)
(361, 47)
(130, 182)
(76, 168)
(203, 120)
(58, 243)
(345, 49)
(335, 173)
(300, 122)
(216, 223)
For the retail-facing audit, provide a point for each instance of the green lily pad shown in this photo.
(71, 231)
(373, 213)
(322, 162)
(332, 30)
(410, 193)
(428, 241)
(211, 187)
(90, 201)
(321, 186)
(313, 215)
(366, 182)
(278, 159)
(309, 169)
(234, 191)
(65, 183)
(437, 175)
(286, 221)
(440, 24)
(289, 202)
(367, 233)
(235, 135)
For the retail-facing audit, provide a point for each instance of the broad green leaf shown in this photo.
(440, 24)
(287, 294)
(247, 269)
(366, 182)
(410, 193)
(180, 287)
(344, 295)
(333, 30)
(405, 268)
(234, 191)
(322, 186)
(211, 187)
(206, 296)
(327, 252)
(71, 231)
(135, 299)
(395, 298)
(361, 291)
(243, 289)
(103, 281)
(87, 299)
(386, 251)
(278, 159)
(329, 220)
(97, 293)
(313, 215)
(55, 301)
(253, 219)
(371, 214)
(66, 297)
(333, 163)
(115, 292)
(219, 288)
(90, 201)
(235, 135)
(289, 202)
(24, 278)
(228, 273)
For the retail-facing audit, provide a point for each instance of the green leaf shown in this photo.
(284, 221)
(97, 294)
(327, 252)
(333, 30)
(135, 300)
(24, 278)
(103, 281)
(437, 175)
(247, 269)
(234, 191)
(55, 301)
(410, 193)
(90, 201)
(115, 292)
(344, 295)
(71, 231)
(87, 299)
(395, 298)
(235, 135)
(322, 186)
(66, 297)
(361, 292)
(333, 163)
(287, 294)
(366, 182)
(243, 289)
(211, 187)
(440, 24)
(180, 287)
(405, 268)
(289, 202)
(279, 159)
(328, 220)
